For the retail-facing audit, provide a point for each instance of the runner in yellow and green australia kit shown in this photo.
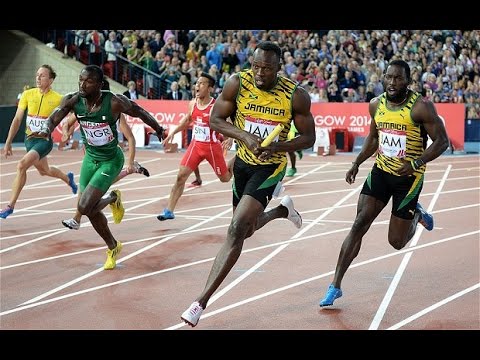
(39, 103)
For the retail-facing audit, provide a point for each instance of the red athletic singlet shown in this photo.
(205, 144)
(201, 124)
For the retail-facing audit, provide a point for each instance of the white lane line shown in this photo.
(433, 307)
(403, 265)
(366, 262)
(148, 247)
(230, 286)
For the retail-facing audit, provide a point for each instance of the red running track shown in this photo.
(52, 277)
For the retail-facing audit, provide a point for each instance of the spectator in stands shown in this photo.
(192, 53)
(112, 48)
(427, 73)
(160, 63)
(377, 85)
(185, 70)
(80, 36)
(241, 53)
(314, 94)
(170, 43)
(169, 76)
(184, 88)
(174, 94)
(361, 94)
(204, 64)
(134, 53)
(132, 92)
(214, 71)
(148, 62)
(349, 95)
(125, 46)
(369, 94)
(214, 57)
(96, 41)
(322, 96)
(230, 60)
(336, 51)
(141, 39)
(321, 82)
(431, 82)
(348, 81)
(334, 94)
(157, 43)
(191, 71)
(290, 66)
(357, 73)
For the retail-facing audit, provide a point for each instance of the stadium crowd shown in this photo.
(333, 65)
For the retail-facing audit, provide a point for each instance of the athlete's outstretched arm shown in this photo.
(122, 104)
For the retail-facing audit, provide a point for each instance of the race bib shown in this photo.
(260, 128)
(35, 124)
(393, 143)
(97, 134)
(201, 133)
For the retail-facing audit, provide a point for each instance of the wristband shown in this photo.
(355, 163)
(418, 163)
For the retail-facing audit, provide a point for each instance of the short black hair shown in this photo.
(97, 70)
(270, 46)
(404, 65)
(211, 79)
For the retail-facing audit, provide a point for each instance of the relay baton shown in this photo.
(268, 140)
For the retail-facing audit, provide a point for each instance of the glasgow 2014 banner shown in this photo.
(352, 117)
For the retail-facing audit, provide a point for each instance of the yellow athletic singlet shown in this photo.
(40, 106)
(258, 112)
(399, 137)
